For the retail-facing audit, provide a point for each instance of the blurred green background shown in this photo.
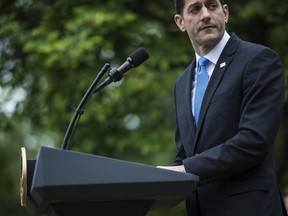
(51, 51)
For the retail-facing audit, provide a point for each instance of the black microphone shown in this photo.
(134, 60)
(115, 74)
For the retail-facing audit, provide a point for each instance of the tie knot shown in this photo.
(203, 61)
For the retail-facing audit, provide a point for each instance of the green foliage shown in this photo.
(51, 51)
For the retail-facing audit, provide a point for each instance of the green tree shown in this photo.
(51, 51)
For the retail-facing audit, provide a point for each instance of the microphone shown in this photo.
(134, 60)
(115, 74)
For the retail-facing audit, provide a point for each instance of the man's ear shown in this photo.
(179, 22)
(226, 12)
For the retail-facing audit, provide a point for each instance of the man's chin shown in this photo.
(211, 39)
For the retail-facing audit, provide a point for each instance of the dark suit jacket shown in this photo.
(232, 148)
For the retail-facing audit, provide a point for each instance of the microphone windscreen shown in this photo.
(138, 57)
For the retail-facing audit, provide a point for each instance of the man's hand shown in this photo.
(180, 168)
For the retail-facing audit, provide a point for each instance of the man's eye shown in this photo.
(212, 6)
(195, 9)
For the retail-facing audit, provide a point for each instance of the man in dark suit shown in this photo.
(229, 144)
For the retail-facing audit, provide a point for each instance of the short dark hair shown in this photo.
(179, 5)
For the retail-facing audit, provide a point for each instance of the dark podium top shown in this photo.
(62, 183)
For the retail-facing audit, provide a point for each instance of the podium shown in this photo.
(66, 183)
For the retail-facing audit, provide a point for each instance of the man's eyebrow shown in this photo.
(211, 1)
(193, 4)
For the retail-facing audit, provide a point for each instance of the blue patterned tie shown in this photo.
(201, 84)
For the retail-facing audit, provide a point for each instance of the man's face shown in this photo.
(204, 21)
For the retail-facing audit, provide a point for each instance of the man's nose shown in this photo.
(205, 13)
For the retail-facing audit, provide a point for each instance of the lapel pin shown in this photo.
(222, 64)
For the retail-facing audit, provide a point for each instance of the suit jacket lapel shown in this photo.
(188, 101)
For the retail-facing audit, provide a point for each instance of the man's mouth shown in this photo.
(206, 27)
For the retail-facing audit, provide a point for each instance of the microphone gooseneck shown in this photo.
(114, 75)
